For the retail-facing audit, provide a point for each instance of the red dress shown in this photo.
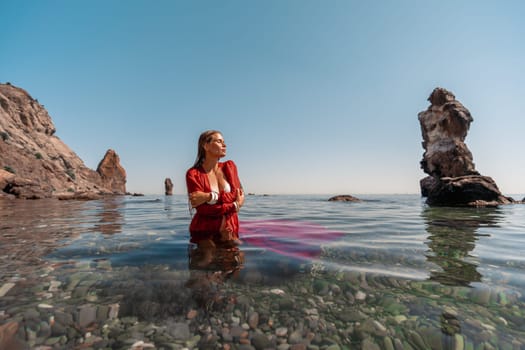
(206, 222)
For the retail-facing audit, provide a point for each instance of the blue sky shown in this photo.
(311, 96)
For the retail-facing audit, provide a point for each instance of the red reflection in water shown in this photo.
(298, 239)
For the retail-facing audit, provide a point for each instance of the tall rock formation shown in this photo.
(34, 163)
(112, 173)
(453, 179)
(168, 187)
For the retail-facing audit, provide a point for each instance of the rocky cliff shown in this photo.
(453, 179)
(35, 163)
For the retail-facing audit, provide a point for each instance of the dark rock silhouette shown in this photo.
(344, 198)
(35, 163)
(453, 179)
(168, 187)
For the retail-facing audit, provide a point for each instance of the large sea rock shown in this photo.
(112, 173)
(35, 163)
(453, 179)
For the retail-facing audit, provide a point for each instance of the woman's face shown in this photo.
(216, 147)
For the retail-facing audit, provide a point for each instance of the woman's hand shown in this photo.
(240, 198)
(198, 197)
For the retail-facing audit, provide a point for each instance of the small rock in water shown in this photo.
(277, 291)
(261, 341)
(448, 312)
(400, 318)
(236, 331)
(295, 337)
(379, 328)
(5, 288)
(502, 320)
(191, 314)
(87, 314)
(140, 345)
(459, 342)
(281, 331)
(253, 320)
(113, 311)
(311, 312)
(360, 296)
(368, 344)
(53, 287)
(236, 320)
(179, 331)
(344, 198)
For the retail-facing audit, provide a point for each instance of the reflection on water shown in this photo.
(32, 229)
(452, 238)
(110, 215)
(169, 203)
(210, 267)
(208, 256)
(158, 293)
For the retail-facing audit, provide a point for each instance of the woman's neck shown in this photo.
(210, 164)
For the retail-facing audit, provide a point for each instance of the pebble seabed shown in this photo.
(94, 306)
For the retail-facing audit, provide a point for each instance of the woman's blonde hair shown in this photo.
(204, 138)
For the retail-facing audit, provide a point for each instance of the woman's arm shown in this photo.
(198, 197)
(232, 176)
(196, 188)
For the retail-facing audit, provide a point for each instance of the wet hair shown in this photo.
(204, 138)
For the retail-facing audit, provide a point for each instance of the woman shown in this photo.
(215, 191)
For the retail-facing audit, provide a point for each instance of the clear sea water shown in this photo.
(387, 272)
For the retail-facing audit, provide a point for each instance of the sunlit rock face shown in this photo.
(112, 173)
(444, 126)
(453, 179)
(35, 163)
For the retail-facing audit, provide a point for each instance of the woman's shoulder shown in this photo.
(230, 170)
(229, 167)
(229, 164)
(193, 171)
